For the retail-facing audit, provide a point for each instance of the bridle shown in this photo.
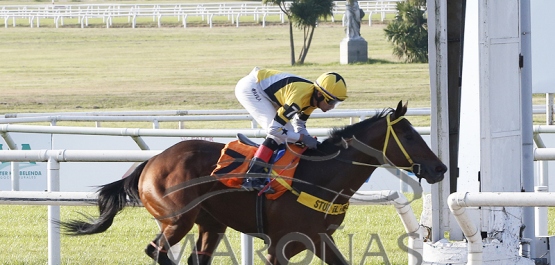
(357, 144)
(415, 168)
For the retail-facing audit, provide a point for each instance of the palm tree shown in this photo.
(409, 32)
(285, 9)
(303, 14)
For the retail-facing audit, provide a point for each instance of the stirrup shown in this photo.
(247, 184)
(258, 184)
(252, 183)
(262, 186)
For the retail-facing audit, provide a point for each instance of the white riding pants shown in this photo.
(259, 105)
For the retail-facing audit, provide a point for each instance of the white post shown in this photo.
(527, 179)
(14, 165)
(53, 214)
(441, 217)
(549, 108)
(540, 216)
(15, 176)
(540, 213)
(247, 246)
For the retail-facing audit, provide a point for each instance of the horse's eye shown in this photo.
(409, 137)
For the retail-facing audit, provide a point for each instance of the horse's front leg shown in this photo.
(210, 231)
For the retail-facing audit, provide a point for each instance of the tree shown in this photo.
(409, 32)
(285, 9)
(303, 14)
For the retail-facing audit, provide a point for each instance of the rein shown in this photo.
(357, 144)
(331, 208)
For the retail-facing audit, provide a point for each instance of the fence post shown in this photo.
(15, 176)
(53, 169)
(247, 246)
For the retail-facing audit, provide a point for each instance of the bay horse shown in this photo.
(176, 188)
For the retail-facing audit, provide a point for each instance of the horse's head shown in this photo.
(404, 148)
(390, 139)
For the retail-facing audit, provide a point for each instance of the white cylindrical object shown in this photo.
(47, 198)
(54, 257)
(540, 216)
(247, 246)
(459, 200)
(15, 176)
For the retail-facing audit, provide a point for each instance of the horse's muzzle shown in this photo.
(433, 175)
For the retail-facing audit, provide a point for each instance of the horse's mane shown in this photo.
(337, 134)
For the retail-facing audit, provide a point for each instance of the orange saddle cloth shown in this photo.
(234, 162)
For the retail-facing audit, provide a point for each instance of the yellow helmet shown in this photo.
(332, 86)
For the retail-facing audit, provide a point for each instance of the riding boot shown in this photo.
(257, 175)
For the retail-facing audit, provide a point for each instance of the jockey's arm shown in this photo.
(297, 114)
(299, 123)
(277, 131)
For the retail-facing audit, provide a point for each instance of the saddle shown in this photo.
(236, 156)
(245, 140)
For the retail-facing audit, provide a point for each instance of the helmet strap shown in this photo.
(317, 95)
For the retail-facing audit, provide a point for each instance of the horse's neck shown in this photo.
(357, 170)
(362, 162)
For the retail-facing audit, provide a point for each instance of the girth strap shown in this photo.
(260, 213)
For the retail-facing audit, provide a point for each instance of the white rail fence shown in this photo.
(231, 11)
(54, 198)
(11, 124)
(459, 201)
(182, 116)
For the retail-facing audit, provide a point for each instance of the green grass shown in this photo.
(98, 69)
(23, 236)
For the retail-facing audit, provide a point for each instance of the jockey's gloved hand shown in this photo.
(310, 142)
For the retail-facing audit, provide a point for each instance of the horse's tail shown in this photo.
(112, 198)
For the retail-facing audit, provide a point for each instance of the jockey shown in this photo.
(281, 103)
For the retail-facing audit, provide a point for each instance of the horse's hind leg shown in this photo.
(157, 253)
(173, 230)
(210, 231)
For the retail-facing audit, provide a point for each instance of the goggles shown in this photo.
(333, 101)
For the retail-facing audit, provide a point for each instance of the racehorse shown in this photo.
(175, 187)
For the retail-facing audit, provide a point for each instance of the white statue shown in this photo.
(353, 15)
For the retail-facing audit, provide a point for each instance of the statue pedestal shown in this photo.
(352, 50)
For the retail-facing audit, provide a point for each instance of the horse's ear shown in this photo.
(401, 109)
